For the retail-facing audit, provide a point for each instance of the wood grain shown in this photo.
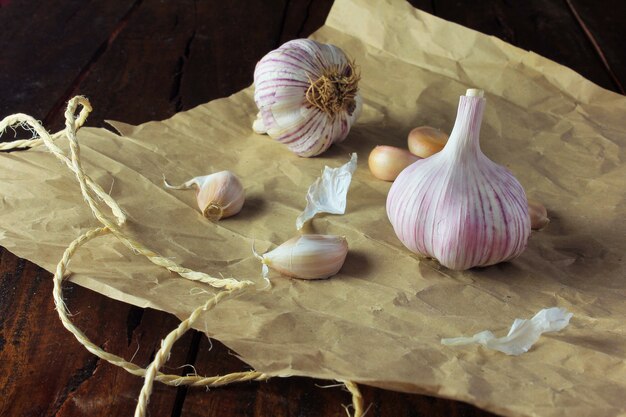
(46, 46)
(45, 371)
(140, 60)
(544, 27)
(605, 30)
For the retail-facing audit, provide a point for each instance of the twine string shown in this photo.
(230, 287)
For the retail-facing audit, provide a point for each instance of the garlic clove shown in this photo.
(219, 195)
(538, 214)
(386, 162)
(425, 141)
(258, 126)
(308, 256)
(457, 206)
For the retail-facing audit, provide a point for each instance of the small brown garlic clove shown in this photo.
(386, 162)
(308, 256)
(219, 195)
(538, 215)
(425, 141)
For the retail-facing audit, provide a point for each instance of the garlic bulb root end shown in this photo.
(335, 90)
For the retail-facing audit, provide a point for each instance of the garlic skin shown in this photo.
(308, 256)
(307, 95)
(219, 195)
(457, 206)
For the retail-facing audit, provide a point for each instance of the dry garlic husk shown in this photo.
(219, 195)
(307, 95)
(308, 256)
(522, 335)
(458, 206)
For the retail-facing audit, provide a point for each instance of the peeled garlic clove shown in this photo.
(538, 214)
(308, 256)
(307, 95)
(425, 141)
(457, 206)
(386, 162)
(219, 195)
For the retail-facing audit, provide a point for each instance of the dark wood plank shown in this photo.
(46, 372)
(301, 18)
(46, 47)
(605, 28)
(176, 55)
(110, 389)
(222, 55)
(545, 27)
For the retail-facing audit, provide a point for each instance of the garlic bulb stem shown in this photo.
(464, 138)
(474, 92)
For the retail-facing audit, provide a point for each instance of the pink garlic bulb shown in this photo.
(307, 95)
(458, 206)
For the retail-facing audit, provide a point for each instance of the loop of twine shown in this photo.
(230, 287)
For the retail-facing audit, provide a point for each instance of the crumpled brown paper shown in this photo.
(379, 321)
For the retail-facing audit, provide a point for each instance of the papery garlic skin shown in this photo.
(307, 95)
(458, 206)
(219, 195)
(308, 256)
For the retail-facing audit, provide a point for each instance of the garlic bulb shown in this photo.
(308, 256)
(458, 206)
(219, 195)
(307, 95)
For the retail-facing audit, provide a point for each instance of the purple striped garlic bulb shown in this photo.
(307, 95)
(458, 206)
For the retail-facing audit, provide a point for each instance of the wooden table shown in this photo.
(140, 60)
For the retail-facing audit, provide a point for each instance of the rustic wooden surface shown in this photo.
(139, 60)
